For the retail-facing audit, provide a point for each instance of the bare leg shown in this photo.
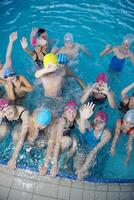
(3, 130)
(50, 148)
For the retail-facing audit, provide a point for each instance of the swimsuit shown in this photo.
(117, 64)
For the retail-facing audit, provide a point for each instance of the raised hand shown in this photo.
(86, 110)
(107, 47)
(34, 31)
(105, 89)
(13, 36)
(24, 43)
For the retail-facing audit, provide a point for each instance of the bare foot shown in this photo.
(43, 170)
(54, 170)
(12, 164)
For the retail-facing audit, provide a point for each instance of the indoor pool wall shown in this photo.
(93, 24)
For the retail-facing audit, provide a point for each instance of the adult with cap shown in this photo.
(99, 92)
(124, 126)
(70, 48)
(10, 115)
(94, 136)
(39, 127)
(120, 52)
(16, 86)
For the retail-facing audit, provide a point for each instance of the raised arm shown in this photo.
(126, 90)
(12, 37)
(70, 73)
(24, 45)
(116, 135)
(88, 91)
(27, 87)
(108, 49)
(110, 95)
(45, 71)
(86, 111)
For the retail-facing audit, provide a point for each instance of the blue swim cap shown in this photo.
(7, 72)
(44, 117)
(62, 59)
(129, 116)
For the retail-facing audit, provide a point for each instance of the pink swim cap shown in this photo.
(33, 41)
(102, 115)
(71, 104)
(102, 78)
(4, 103)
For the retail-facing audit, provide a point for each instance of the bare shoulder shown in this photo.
(107, 133)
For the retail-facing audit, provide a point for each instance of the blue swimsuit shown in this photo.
(90, 139)
(117, 64)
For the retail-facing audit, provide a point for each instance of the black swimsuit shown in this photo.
(68, 127)
(38, 63)
(97, 101)
(124, 107)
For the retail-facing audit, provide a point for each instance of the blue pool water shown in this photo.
(93, 24)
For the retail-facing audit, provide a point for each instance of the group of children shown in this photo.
(43, 128)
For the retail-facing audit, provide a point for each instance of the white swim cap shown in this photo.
(68, 37)
(128, 39)
(129, 116)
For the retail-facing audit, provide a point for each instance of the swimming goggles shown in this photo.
(10, 75)
(71, 107)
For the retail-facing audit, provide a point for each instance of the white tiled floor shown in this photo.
(25, 185)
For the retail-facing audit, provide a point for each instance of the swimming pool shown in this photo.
(93, 24)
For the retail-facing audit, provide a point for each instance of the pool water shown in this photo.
(93, 24)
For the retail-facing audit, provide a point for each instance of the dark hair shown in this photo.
(41, 30)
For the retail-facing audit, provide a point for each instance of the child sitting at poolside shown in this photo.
(125, 127)
(94, 135)
(120, 53)
(12, 113)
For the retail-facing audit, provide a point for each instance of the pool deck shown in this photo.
(26, 185)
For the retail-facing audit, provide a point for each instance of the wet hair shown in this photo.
(40, 31)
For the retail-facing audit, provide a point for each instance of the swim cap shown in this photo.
(44, 117)
(50, 58)
(41, 42)
(102, 115)
(7, 72)
(4, 103)
(68, 37)
(71, 104)
(33, 41)
(128, 39)
(129, 116)
(102, 78)
(62, 59)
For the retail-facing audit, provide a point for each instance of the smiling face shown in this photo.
(99, 124)
(128, 125)
(71, 114)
